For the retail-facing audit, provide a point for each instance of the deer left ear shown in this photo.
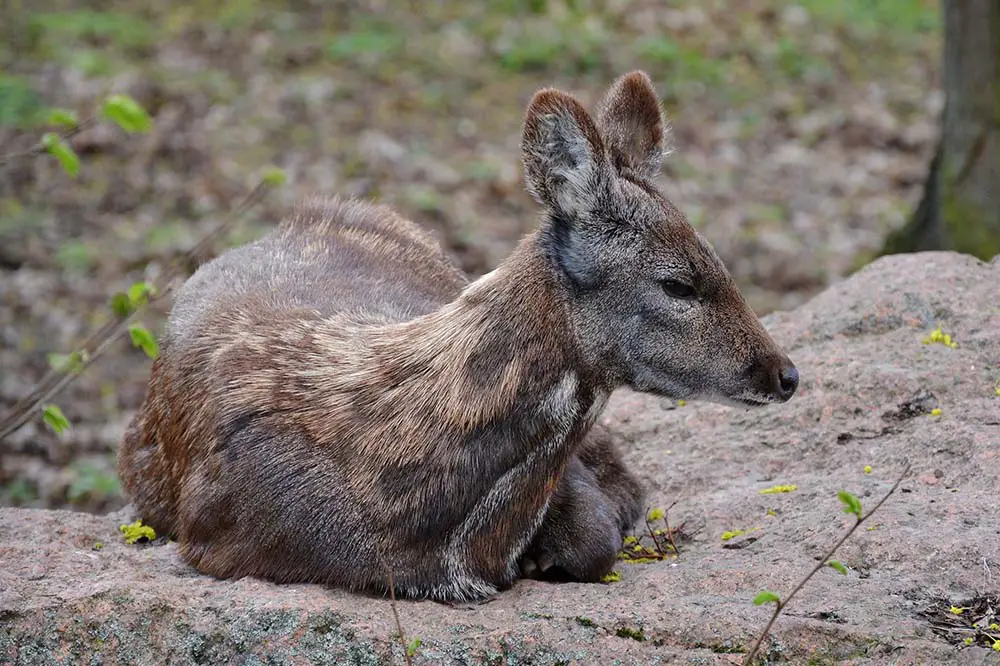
(632, 125)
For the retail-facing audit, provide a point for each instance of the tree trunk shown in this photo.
(960, 209)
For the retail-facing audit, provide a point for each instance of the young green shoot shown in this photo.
(852, 505)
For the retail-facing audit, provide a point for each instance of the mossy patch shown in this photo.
(137, 532)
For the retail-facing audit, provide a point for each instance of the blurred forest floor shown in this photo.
(802, 132)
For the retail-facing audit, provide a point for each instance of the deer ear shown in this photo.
(564, 159)
(633, 126)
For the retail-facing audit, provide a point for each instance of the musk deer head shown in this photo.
(652, 304)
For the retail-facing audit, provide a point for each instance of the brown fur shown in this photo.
(336, 399)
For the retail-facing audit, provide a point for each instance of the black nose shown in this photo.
(788, 381)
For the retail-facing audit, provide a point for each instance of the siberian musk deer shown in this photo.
(336, 400)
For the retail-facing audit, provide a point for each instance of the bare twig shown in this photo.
(98, 342)
(782, 603)
(670, 531)
(652, 534)
(399, 625)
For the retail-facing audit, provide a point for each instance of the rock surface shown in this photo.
(868, 386)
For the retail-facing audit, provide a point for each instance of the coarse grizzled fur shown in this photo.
(336, 400)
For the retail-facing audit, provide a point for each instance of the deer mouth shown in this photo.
(754, 402)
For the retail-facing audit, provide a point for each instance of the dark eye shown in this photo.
(681, 290)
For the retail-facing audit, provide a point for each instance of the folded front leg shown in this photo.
(596, 502)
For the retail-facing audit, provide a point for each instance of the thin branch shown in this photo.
(652, 535)
(399, 625)
(670, 531)
(39, 149)
(98, 342)
(782, 603)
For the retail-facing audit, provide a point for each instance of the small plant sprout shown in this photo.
(409, 647)
(971, 621)
(63, 368)
(868, 469)
(55, 419)
(852, 505)
(136, 532)
(127, 114)
(74, 362)
(57, 146)
(144, 339)
(939, 337)
(126, 302)
(658, 543)
(64, 118)
(272, 176)
(612, 577)
(776, 490)
(936, 411)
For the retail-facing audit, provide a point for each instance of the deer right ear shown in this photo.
(633, 125)
(564, 159)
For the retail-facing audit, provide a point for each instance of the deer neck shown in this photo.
(506, 342)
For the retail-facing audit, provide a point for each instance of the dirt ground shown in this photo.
(801, 134)
(921, 583)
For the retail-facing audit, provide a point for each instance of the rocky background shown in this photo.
(801, 130)
(922, 583)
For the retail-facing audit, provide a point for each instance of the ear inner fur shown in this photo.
(632, 124)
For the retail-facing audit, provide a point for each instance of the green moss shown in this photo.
(137, 532)
(585, 621)
(968, 228)
(629, 632)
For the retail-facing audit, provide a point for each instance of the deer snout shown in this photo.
(773, 379)
(786, 380)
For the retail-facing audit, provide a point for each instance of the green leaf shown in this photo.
(838, 566)
(125, 303)
(63, 118)
(55, 419)
(127, 114)
(142, 338)
(851, 503)
(68, 362)
(766, 597)
(411, 649)
(139, 293)
(58, 148)
(121, 304)
(273, 176)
